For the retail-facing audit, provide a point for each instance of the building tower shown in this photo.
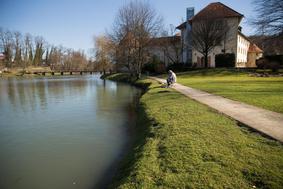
(188, 38)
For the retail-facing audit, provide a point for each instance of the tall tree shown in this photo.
(105, 52)
(6, 38)
(141, 21)
(207, 33)
(39, 51)
(172, 45)
(269, 18)
(18, 48)
(27, 50)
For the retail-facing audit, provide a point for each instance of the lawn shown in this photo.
(181, 143)
(264, 92)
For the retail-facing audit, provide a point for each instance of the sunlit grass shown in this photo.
(181, 143)
(264, 92)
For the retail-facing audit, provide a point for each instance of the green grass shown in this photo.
(264, 92)
(181, 143)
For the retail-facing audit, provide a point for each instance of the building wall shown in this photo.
(186, 44)
(160, 53)
(242, 51)
(229, 44)
(251, 59)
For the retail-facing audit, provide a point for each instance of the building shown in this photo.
(186, 45)
(247, 52)
(234, 41)
(167, 49)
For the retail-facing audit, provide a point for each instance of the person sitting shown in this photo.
(171, 78)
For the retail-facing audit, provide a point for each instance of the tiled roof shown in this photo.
(183, 25)
(216, 10)
(213, 10)
(254, 48)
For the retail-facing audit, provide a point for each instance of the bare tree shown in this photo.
(207, 34)
(18, 48)
(125, 52)
(28, 50)
(105, 52)
(269, 16)
(39, 51)
(171, 45)
(141, 21)
(6, 38)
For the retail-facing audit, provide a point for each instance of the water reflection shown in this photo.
(61, 132)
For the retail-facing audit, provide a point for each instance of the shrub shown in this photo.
(225, 60)
(149, 67)
(265, 63)
(179, 67)
(154, 66)
(275, 58)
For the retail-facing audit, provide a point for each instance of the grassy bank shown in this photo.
(183, 144)
(265, 92)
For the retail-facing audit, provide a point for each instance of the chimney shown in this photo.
(190, 12)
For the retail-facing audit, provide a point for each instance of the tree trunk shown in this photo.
(206, 60)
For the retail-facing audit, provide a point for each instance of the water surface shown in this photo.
(62, 133)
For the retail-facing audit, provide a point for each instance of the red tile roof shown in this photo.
(213, 10)
(216, 10)
(254, 48)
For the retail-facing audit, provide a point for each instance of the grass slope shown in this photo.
(262, 92)
(183, 144)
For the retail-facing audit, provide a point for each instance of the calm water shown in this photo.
(62, 133)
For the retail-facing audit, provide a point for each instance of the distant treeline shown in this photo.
(20, 50)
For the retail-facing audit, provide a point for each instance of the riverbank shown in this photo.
(32, 72)
(22, 72)
(183, 144)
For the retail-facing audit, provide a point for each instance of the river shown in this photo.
(62, 132)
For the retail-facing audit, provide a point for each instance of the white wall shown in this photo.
(242, 51)
(230, 43)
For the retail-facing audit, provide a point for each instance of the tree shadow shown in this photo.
(123, 169)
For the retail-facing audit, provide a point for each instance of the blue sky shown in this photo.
(73, 23)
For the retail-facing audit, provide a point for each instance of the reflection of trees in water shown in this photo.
(11, 89)
(58, 89)
(116, 97)
(105, 98)
(22, 94)
(132, 111)
(41, 93)
(110, 99)
(28, 94)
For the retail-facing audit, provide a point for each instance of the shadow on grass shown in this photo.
(212, 72)
(163, 91)
(249, 130)
(142, 131)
